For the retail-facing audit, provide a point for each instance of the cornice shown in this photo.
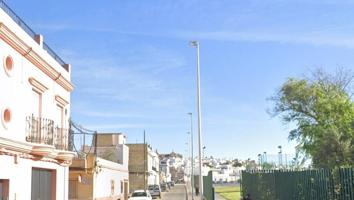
(25, 50)
(15, 145)
(27, 148)
(37, 85)
(61, 101)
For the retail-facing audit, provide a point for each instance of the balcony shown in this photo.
(61, 138)
(42, 131)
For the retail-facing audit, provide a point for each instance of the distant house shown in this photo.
(144, 166)
(103, 174)
(226, 173)
(172, 166)
(165, 173)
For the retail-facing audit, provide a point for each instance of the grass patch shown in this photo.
(228, 192)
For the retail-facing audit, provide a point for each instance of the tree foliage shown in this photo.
(322, 110)
(236, 163)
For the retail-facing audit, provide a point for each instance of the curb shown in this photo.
(185, 188)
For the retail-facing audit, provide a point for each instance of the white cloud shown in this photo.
(319, 38)
(283, 34)
(120, 126)
(139, 82)
(109, 114)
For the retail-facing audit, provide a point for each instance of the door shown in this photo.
(4, 189)
(36, 114)
(42, 184)
(60, 138)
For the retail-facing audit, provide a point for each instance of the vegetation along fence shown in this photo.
(319, 184)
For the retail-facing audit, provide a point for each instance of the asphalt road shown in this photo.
(178, 192)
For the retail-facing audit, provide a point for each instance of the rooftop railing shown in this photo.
(30, 32)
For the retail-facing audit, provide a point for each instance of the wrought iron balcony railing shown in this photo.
(42, 131)
(61, 138)
(39, 130)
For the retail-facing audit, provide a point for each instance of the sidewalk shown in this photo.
(189, 191)
(189, 194)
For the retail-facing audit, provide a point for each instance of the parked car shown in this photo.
(180, 181)
(164, 187)
(155, 191)
(140, 195)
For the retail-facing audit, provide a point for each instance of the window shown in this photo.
(61, 111)
(37, 91)
(60, 116)
(139, 194)
(112, 187)
(8, 65)
(61, 137)
(6, 117)
(36, 103)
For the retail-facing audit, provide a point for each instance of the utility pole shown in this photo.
(145, 155)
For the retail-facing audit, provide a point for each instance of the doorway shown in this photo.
(4, 189)
(43, 184)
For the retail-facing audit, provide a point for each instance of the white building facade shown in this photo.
(153, 168)
(35, 109)
(165, 173)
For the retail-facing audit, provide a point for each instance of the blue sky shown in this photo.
(133, 69)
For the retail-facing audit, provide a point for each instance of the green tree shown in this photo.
(236, 163)
(268, 166)
(322, 110)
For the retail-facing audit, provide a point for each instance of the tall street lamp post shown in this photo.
(196, 45)
(192, 156)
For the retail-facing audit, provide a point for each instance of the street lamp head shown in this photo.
(188, 132)
(189, 113)
(194, 43)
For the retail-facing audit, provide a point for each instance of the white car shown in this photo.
(140, 195)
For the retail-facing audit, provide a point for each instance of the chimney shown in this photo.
(39, 39)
